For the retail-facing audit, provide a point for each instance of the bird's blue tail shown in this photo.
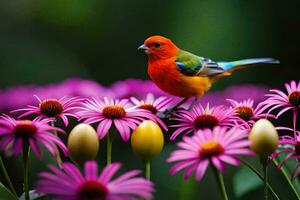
(234, 65)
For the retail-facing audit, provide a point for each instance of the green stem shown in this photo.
(109, 148)
(265, 169)
(10, 185)
(25, 162)
(221, 184)
(259, 176)
(148, 169)
(58, 158)
(286, 176)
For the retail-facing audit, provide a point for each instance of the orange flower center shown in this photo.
(294, 98)
(149, 107)
(51, 107)
(206, 121)
(113, 112)
(92, 190)
(25, 128)
(210, 149)
(245, 112)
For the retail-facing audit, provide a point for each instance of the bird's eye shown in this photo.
(156, 44)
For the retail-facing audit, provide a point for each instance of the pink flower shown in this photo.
(288, 101)
(247, 112)
(154, 105)
(52, 109)
(110, 112)
(200, 118)
(15, 133)
(71, 184)
(216, 147)
(291, 147)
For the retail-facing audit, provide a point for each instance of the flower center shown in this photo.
(149, 107)
(294, 98)
(245, 112)
(114, 112)
(92, 190)
(51, 107)
(206, 121)
(25, 128)
(210, 149)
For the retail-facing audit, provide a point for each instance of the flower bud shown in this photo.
(83, 143)
(263, 138)
(147, 140)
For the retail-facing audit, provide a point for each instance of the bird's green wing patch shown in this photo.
(188, 63)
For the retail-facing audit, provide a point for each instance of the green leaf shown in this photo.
(189, 188)
(5, 193)
(245, 181)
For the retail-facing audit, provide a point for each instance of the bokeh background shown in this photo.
(47, 41)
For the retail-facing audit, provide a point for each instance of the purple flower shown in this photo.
(200, 118)
(110, 112)
(238, 93)
(20, 96)
(135, 87)
(71, 184)
(216, 147)
(288, 101)
(247, 112)
(15, 133)
(52, 109)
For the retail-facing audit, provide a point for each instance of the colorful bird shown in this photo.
(184, 74)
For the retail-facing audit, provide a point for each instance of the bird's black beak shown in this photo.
(144, 48)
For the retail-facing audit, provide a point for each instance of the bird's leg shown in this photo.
(167, 113)
(178, 104)
(193, 104)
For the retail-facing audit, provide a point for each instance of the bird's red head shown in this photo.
(158, 47)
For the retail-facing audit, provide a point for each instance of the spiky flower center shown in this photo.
(294, 98)
(149, 107)
(206, 121)
(245, 112)
(51, 107)
(92, 190)
(210, 149)
(25, 128)
(113, 112)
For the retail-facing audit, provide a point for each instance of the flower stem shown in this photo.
(285, 174)
(25, 162)
(148, 169)
(58, 158)
(221, 184)
(265, 170)
(109, 148)
(259, 176)
(10, 185)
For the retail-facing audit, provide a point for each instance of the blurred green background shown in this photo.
(43, 41)
(50, 40)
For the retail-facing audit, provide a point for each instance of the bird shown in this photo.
(184, 74)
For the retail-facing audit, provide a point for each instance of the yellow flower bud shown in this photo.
(147, 140)
(83, 143)
(264, 138)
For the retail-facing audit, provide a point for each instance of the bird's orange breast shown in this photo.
(167, 77)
